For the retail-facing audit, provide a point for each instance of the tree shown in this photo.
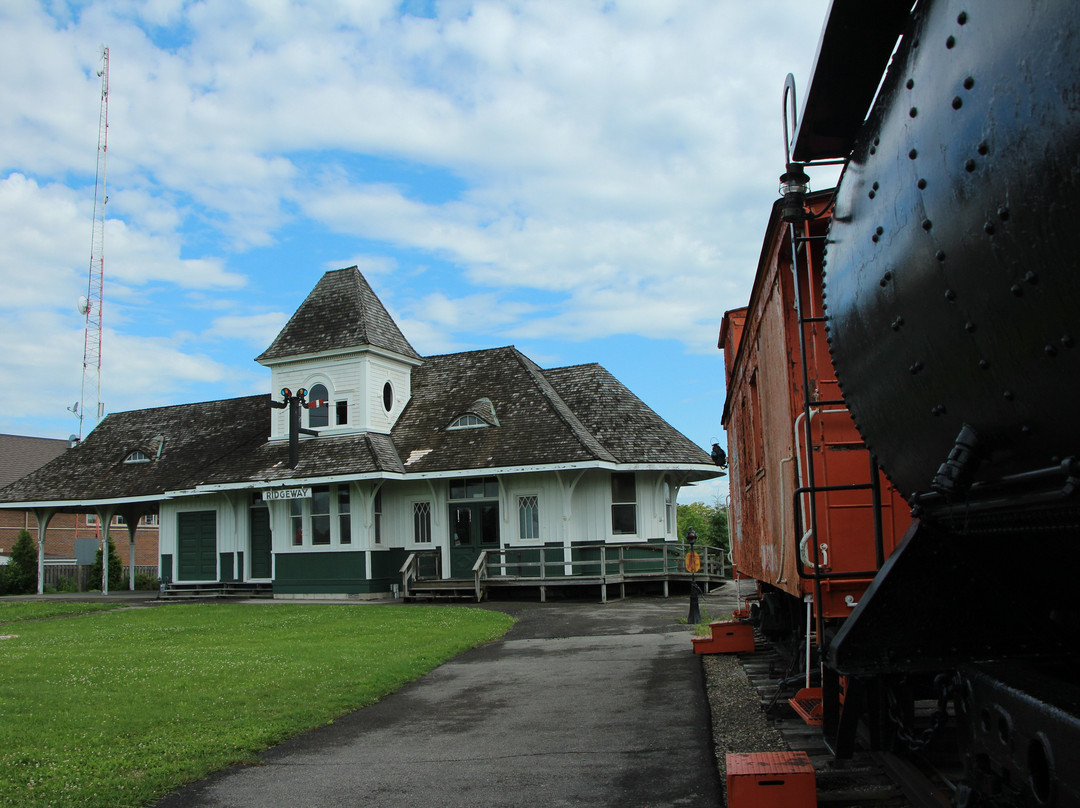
(116, 569)
(22, 574)
(708, 521)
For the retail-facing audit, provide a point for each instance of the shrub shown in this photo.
(22, 572)
(146, 583)
(66, 584)
(116, 570)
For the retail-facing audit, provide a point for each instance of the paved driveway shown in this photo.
(580, 704)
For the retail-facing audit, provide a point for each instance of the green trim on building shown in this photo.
(321, 573)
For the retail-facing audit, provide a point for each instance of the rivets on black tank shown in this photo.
(877, 234)
(969, 165)
(1017, 290)
(1003, 213)
(1031, 277)
(969, 327)
(910, 83)
(983, 148)
(969, 82)
(984, 365)
(950, 43)
(940, 255)
(1066, 340)
(989, 228)
(899, 321)
(916, 366)
(885, 278)
(1008, 395)
(938, 409)
(950, 294)
(962, 17)
(913, 154)
(913, 112)
(921, 184)
(1050, 351)
(957, 102)
(1025, 430)
(926, 224)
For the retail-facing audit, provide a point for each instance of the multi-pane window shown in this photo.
(296, 521)
(377, 516)
(323, 519)
(466, 421)
(422, 522)
(529, 517)
(344, 515)
(320, 515)
(475, 488)
(318, 416)
(623, 504)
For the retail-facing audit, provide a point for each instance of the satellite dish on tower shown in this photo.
(84, 304)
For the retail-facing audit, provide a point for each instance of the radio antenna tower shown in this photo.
(91, 305)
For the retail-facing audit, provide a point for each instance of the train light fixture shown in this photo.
(693, 563)
(794, 185)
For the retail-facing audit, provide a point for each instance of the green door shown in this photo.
(260, 543)
(197, 546)
(474, 526)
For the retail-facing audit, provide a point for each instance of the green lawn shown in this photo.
(116, 708)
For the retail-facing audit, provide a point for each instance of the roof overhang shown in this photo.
(856, 42)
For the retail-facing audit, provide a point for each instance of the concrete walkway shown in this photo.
(580, 704)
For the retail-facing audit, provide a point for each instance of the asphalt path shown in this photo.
(580, 704)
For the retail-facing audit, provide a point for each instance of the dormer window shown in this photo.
(467, 421)
(137, 456)
(318, 416)
(478, 414)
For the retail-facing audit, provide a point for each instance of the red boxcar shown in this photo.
(802, 483)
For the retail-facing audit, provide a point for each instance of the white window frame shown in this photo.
(624, 503)
(421, 521)
(519, 500)
(305, 517)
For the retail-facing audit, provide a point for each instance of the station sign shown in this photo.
(271, 494)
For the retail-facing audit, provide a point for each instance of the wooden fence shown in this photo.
(80, 573)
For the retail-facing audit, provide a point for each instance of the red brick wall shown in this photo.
(64, 528)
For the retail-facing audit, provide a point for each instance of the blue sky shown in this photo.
(588, 180)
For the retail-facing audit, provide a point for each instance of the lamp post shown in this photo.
(693, 563)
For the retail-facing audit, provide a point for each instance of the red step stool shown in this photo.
(728, 637)
(770, 780)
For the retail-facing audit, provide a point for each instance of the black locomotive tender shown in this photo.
(952, 297)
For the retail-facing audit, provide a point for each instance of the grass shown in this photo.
(118, 708)
(17, 611)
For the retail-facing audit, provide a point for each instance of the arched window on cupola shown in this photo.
(319, 416)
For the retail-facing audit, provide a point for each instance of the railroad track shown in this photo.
(869, 779)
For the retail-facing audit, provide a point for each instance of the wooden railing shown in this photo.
(413, 568)
(480, 573)
(600, 561)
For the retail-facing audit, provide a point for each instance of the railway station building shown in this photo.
(368, 452)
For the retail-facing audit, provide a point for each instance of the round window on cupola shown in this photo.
(388, 396)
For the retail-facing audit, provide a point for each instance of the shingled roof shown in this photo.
(19, 455)
(342, 312)
(183, 443)
(573, 415)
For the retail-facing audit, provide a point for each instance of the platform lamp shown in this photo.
(794, 185)
(693, 561)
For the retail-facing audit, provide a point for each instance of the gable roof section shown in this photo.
(340, 313)
(619, 420)
(535, 427)
(19, 455)
(194, 439)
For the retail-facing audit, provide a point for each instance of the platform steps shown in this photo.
(218, 591)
